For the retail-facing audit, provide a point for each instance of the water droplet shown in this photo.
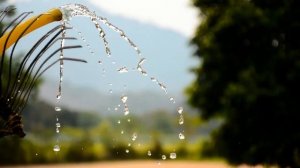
(181, 136)
(58, 97)
(129, 144)
(99, 62)
(110, 91)
(57, 130)
(181, 120)
(122, 132)
(126, 111)
(173, 156)
(149, 153)
(172, 99)
(128, 120)
(153, 79)
(124, 99)
(180, 110)
(57, 109)
(134, 136)
(163, 157)
(36, 154)
(141, 62)
(119, 122)
(56, 148)
(163, 87)
(275, 43)
(127, 150)
(116, 109)
(58, 125)
(123, 70)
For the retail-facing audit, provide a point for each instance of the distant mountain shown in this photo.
(91, 100)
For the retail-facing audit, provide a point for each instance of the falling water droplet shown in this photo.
(58, 97)
(128, 120)
(36, 154)
(56, 148)
(127, 150)
(119, 122)
(124, 99)
(149, 153)
(180, 110)
(116, 108)
(153, 79)
(181, 120)
(163, 87)
(126, 111)
(122, 132)
(57, 130)
(172, 100)
(58, 125)
(173, 156)
(134, 136)
(110, 91)
(142, 61)
(181, 136)
(122, 70)
(129, 144)
(163, 157)
(99, 62)
(57, 109)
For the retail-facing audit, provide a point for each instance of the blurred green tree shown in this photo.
(250, 75)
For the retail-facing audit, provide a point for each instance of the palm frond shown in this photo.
(19, 78)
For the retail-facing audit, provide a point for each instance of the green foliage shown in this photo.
(88, 136)
(250, 76)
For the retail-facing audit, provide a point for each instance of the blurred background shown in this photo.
(232, 65)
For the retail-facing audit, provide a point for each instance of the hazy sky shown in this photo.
(178, 15)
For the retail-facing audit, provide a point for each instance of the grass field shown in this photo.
(142, 164)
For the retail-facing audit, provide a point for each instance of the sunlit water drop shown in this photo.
(181, 136)
(56, 148)
(173, 156)
(57, 108)
(180, 110)
(134, 136)
(127, 151)
(149, 153)
(58, 125)
(123, 70)
(124, 99)
(181, 120)
(163, 157)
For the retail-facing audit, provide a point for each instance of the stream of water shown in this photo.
(70, 11)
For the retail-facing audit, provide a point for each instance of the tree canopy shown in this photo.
(250, 75)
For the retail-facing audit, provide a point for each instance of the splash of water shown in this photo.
(73, 10)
